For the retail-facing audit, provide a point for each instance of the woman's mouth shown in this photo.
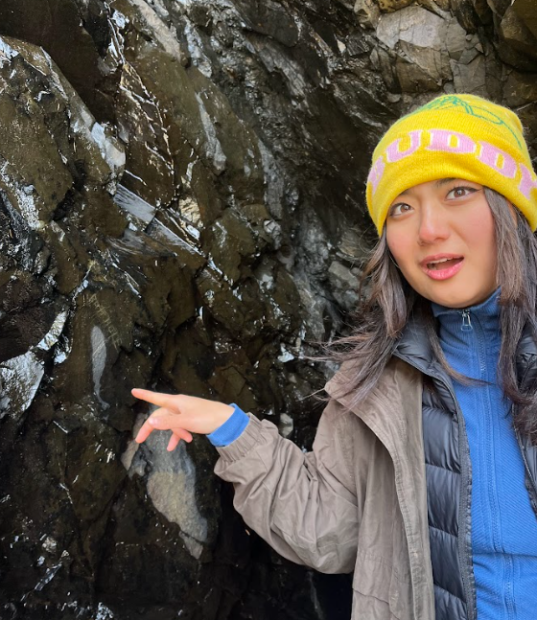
(442, 267)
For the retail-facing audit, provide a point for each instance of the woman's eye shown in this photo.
(399, 209)
(460, 192)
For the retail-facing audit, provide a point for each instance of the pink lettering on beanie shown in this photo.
(376, 172)
(393, 153)
(450, 142)
(498, 160)
(527, 182)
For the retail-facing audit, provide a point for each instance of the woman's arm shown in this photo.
(304, 505)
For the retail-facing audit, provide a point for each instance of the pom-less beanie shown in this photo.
(453, 136)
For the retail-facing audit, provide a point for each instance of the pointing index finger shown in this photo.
(155, 398)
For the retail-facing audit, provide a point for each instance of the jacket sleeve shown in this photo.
(304, 505)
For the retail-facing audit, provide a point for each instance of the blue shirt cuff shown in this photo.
(231, 429)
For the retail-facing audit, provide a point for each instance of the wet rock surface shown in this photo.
(181, 207)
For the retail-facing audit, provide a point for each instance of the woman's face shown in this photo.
(441, 234)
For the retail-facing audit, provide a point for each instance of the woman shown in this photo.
(423, 475)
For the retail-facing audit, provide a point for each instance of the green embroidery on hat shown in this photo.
(452, 101)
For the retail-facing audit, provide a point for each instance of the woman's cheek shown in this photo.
(398, 245)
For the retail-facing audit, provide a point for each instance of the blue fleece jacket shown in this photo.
(504, 526)
(231, 429)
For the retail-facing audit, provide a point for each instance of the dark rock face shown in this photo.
(181, 207)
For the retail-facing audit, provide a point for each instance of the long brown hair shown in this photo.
(388, 302)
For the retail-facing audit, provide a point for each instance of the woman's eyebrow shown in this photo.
(438, 183)
(441, 182)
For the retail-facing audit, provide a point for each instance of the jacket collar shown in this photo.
(454, 323)
(414, 347)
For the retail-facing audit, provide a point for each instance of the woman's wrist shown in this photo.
(221, 413)
(231, 429)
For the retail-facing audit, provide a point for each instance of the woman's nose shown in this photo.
(433, 226)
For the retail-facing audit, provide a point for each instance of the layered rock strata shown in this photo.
(181, 198)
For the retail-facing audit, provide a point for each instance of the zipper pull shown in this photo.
(466, 322)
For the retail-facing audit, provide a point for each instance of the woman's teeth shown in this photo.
(443, 263)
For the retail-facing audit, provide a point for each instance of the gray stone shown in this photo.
(171, 486)
(514, 31)
(414, 25)
(499, 7)
(455, 41)
(520, 89)
(344, 285)
(525, 9)
(386, 66)
(471, 14)
(429, 66)
(272, 19)
(367, 13)
(424, 43)
(471, 77)
(468, 56)
(390, 6)
(286, 425)
(438, 7)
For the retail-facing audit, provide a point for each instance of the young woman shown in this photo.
(423, 475)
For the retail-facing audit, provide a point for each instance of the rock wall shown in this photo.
(181, 207)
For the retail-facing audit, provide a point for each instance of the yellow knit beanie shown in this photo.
(453, 136)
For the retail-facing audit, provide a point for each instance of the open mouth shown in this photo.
(443, 263)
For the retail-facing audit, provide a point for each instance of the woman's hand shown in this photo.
(182, 415)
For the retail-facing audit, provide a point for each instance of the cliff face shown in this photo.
(181, 207)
